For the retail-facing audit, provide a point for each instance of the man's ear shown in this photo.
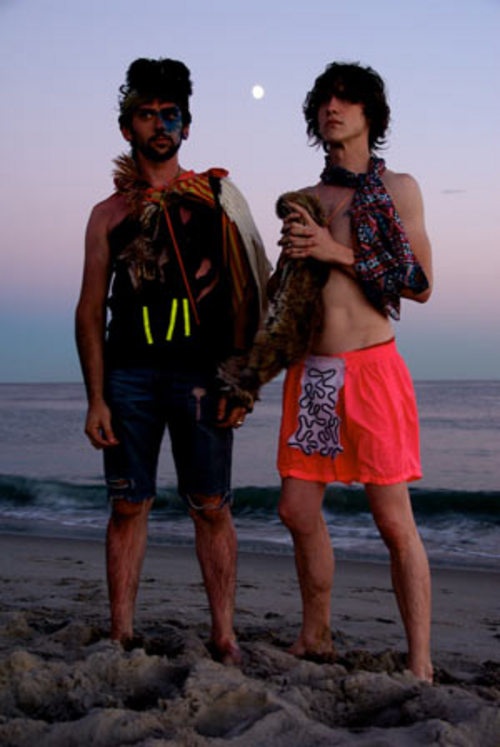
(126, 134)
(185, 132)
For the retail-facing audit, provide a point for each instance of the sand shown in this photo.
(62, 682)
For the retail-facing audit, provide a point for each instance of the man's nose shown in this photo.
(159, 121)
(333, 104)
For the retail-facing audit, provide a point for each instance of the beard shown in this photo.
(148, 150)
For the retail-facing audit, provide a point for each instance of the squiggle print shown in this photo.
(318, 423)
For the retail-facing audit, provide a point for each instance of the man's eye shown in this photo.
(146, 115)
(170, 114)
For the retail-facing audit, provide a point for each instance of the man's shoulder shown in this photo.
(110, 211)
(399, 181)
(110, 204)
(403, 188)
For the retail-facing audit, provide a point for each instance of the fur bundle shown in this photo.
(295, 306)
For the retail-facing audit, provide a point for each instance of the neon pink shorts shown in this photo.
(349, 418)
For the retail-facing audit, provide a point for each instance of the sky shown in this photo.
(61, 63)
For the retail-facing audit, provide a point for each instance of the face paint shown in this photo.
(171, 116)
(156, 130)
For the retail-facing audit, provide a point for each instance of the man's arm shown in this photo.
(303, 237)
(90, 326)
(408, 200)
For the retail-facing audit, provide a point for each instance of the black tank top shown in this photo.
(165, 313)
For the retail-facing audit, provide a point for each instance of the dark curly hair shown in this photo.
(147, 79)
(354, 83)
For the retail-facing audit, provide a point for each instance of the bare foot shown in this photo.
(321, 652)
(120, 635)
(131, 642)
(422, 672)
(227, 653)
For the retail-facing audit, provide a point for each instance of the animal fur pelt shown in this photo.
(295, 307)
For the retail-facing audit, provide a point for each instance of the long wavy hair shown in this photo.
(357, 84)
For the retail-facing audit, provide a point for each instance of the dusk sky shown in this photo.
(62, 62)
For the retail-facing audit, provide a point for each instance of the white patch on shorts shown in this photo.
(318, 423)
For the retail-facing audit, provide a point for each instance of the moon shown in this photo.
(258, 91)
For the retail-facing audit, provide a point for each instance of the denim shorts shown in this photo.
(143, 403)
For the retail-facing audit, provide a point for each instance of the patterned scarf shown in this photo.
(384, 261)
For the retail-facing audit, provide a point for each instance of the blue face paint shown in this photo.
(171, 116)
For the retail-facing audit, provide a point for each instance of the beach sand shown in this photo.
(62, 682)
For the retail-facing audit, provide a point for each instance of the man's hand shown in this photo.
(303, 237)
(98, 427)
(230, 416)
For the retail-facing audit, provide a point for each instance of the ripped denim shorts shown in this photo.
(143, 403)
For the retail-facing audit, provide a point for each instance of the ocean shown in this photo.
(51, 478)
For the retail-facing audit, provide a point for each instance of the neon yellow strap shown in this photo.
(173, 317)
(147, 326)
(187, 318)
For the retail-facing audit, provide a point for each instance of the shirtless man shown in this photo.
(368, 433)
(178, 312)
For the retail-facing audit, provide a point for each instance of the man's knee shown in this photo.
(123, 508)
(300, 505)
(398, 534)
(288, 515)
(297, 519)
(393, 515)
(214, 508)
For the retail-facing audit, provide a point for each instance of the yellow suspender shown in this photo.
(173, 317)
(187, 319)
(147, 326)
(172, 321)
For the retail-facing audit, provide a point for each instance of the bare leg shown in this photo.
(216, 548)
(393, 515)
(125, 548)
(300, 511)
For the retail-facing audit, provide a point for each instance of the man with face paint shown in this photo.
(165, 120)
(171, 299)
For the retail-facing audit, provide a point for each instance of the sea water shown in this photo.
(51, 478)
